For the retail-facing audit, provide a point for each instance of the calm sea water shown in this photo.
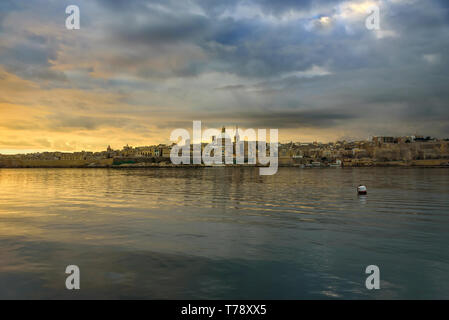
(224, 233)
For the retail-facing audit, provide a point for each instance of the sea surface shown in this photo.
(224, 233)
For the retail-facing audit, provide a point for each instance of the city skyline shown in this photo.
(170, 143)
(136, 70)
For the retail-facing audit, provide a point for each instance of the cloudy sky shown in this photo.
(138, 69)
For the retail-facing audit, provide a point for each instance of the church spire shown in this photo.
(237, 136)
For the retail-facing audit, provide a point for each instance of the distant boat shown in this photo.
(337, 164)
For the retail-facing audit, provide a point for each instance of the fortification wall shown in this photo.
(17, 163)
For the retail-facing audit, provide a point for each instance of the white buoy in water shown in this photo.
(361, 189)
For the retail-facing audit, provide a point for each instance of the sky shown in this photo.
(136, 70)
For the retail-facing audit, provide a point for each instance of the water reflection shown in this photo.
(224, 233)
(363, 199)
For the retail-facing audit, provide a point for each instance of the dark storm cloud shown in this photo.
(179, 30)
(216, 7)
(245, 47)
(273, 63)
(232, 87)
(295, 119)
(274, 119)
(160, 27)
